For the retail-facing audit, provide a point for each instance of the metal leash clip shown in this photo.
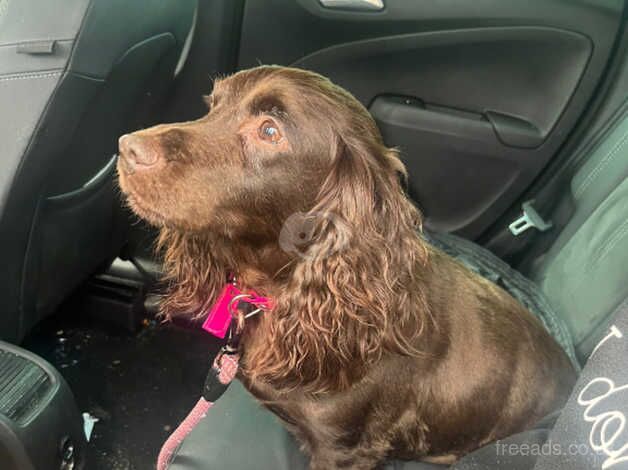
(233, 307)
(230, 348)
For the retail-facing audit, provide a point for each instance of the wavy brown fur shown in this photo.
(331, 316)
(192, 276)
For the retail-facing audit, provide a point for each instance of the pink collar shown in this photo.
(225, 308)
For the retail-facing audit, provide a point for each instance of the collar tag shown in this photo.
(219, 317)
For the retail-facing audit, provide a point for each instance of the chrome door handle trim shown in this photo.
(355, 5)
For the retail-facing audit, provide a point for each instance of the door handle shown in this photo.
(354, 5)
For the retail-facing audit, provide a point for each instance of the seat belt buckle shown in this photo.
(530, 218)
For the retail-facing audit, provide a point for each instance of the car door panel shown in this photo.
(477, 95)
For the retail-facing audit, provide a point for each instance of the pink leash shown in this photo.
(226, 367)
(220, 323)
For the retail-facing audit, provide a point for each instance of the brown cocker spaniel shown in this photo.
(378, 345)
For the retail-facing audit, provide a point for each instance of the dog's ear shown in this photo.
(348, 300)
(192, 272)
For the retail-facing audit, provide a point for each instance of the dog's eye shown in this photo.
(269, 132)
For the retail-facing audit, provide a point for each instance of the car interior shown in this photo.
(511, 117)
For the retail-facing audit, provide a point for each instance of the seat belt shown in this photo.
(545, 213)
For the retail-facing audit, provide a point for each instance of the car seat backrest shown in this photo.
(585, 272)
(74, 76)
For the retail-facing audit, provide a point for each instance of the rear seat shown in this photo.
(584, 274)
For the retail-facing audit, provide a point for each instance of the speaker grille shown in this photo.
(23, 386)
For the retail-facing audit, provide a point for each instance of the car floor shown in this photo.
(139, 385)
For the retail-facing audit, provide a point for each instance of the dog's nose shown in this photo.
(137, 151)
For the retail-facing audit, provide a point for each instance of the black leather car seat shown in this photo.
(74, 75)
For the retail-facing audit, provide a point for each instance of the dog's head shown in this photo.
(284, 153)
(261, 153)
